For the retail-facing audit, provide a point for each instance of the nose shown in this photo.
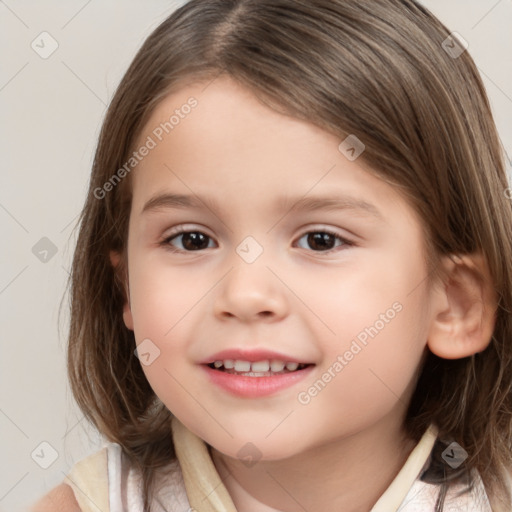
(251, 292)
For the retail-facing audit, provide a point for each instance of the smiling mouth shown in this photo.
(257, 369)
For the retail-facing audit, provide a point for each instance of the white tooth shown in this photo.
(292, 366)
(260, 366)
(229, 363)
(217, 364)
(276, 366)
(242, 366)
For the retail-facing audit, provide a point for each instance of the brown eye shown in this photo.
(323, 241)
(191, 241)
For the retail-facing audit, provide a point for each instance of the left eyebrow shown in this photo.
(332, 203)
(328, 203)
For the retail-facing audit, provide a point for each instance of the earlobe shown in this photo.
(115, 259)
(127, 316)
(464, 308)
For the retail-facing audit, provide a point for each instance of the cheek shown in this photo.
(161, 297)
(379, 327)
(164, 305)
(360, 383)
(373, 299)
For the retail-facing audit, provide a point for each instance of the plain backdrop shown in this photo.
(52, 109)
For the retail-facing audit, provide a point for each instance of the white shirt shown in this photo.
(105, 482)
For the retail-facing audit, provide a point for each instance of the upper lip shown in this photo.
(252, 356)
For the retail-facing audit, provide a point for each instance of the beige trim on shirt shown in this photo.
(89, 480)
(205, 490)
(396, 492)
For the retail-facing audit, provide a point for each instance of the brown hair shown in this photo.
(373, 68)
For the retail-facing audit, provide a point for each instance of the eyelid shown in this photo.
(193, 227)
(178, 230)
(324, 228)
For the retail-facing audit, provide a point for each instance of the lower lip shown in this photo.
(254, 387)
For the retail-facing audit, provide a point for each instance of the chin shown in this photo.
(257, 450)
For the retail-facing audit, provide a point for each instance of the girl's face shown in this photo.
(259, 271)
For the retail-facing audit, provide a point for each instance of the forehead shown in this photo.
(217, 139)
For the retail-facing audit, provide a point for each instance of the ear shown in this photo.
(464, 308)
(122, 274)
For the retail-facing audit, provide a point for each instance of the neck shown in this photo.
(348, 473)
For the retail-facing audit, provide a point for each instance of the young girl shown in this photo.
(292, 288)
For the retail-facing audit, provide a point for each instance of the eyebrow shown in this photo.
(328, 203)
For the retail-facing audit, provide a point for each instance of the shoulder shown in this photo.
(87, 481)
(59, 499)
(108, 480)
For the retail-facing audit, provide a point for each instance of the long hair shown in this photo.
(378, 69)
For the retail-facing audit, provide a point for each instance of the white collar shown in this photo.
(207, 493)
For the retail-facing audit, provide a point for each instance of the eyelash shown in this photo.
(166, 241)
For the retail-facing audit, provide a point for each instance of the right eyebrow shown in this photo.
(181, 201)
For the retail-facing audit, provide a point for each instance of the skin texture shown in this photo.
(343, 448)
(61, 498)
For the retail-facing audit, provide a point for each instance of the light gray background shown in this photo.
(52, 110)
